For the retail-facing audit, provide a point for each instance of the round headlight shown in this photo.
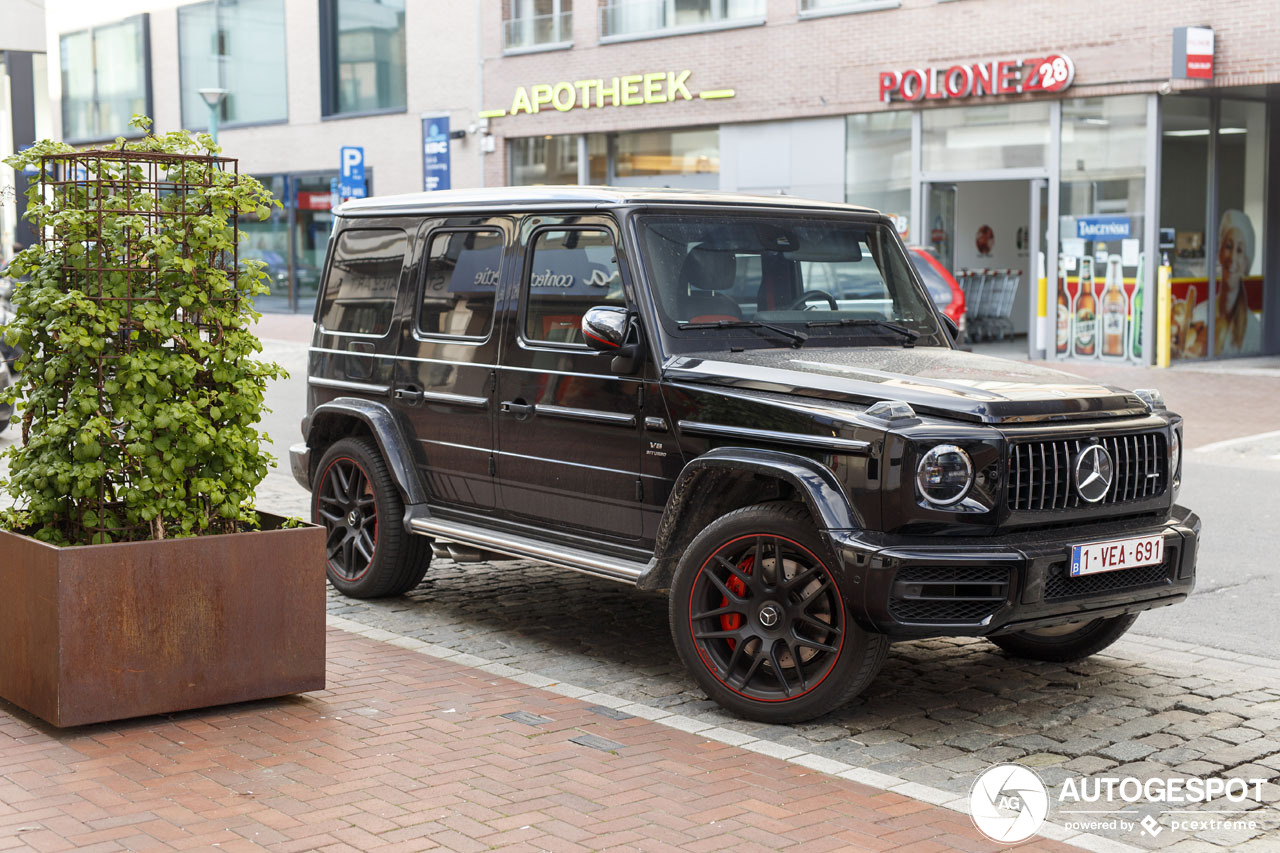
(1175, 456)
(944, 475)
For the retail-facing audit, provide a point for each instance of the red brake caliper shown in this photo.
(733, 621)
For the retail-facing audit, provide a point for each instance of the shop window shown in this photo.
(463, 270)
(571, 271)
(638, 18)
(657, 154)
(106, 78)
(543, 160)
(1101, 216)
(238, 47)
(1185, 143)
(364, 281)
(362, 56)
(1238, 244)
(878, 164)
(996, 136)
(528, 24)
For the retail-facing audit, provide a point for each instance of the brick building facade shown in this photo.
(933, 112)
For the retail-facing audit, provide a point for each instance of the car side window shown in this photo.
(463, 270)
(364, 281)
(570, 271)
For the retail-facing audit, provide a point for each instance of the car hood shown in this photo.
(934, 380)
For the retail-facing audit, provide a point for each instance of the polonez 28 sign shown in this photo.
(1001, 77)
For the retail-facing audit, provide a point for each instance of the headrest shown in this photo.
(707, 269)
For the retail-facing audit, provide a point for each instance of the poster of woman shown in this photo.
(1237, 329)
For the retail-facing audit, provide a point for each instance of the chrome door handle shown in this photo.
(519, 408)
(408, 395)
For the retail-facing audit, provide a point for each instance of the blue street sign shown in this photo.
(435, 152)
(351, 172)
(1108, 227)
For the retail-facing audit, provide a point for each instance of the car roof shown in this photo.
(540, 197)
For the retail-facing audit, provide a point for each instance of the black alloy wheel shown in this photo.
(369, 554)
(349, 511)
(766, 619)
(760, 621)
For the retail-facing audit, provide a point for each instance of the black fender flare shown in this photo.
(386, 431)
(815, 484)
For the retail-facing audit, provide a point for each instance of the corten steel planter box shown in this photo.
(106, 632)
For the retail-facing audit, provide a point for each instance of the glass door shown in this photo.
(941, 233)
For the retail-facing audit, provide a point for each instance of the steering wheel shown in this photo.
(800, 303)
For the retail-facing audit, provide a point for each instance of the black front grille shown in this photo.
(1060, 585)
(948, 593)
(1041, 473)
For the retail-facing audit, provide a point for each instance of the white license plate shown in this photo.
(1116, 555)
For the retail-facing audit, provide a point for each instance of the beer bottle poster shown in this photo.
(1115, 312)
(1084, 342)
(1066, 308)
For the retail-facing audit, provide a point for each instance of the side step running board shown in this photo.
(588, 562)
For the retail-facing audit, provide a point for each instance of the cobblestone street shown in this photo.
(940, 712)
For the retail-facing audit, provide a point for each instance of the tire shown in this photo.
(810, 659)
(1065, 643)
(368, 552)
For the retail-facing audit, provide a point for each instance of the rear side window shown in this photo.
(364, 280)
(463, 270)
(571, 270)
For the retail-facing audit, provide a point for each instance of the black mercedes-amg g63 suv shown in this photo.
(749, 402)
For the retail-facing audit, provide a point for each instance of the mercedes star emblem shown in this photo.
(769, 616)
(1093, 473)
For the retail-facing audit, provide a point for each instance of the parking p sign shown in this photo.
(351, 172)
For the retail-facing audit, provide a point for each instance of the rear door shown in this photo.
(357, 324)
(568, 427)
(444, 377)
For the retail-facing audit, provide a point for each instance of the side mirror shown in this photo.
(605, 328)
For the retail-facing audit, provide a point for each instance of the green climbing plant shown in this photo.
(139, 390)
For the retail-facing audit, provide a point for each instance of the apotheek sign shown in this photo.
(1051, 73)
(628, 90)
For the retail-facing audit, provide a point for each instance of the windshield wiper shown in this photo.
(797, 338)
(910, 335)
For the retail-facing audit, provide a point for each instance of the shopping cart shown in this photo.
(976, 285)
(1004, 287)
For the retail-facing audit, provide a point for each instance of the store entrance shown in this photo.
(982, 232)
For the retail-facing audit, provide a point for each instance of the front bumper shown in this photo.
(300, 464)
(929, 587)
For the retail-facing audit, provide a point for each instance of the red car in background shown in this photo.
(946, 294)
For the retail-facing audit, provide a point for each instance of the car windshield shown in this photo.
(782, 280)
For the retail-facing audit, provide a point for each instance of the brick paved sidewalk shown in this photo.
(408, 752)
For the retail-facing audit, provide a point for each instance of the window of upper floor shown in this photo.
(237, 46)
(529, 25)
(822, 8)
(106, 79)
(362, 57)
(621, 20)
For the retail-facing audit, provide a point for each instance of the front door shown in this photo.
(448, 354)
(568, 431)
